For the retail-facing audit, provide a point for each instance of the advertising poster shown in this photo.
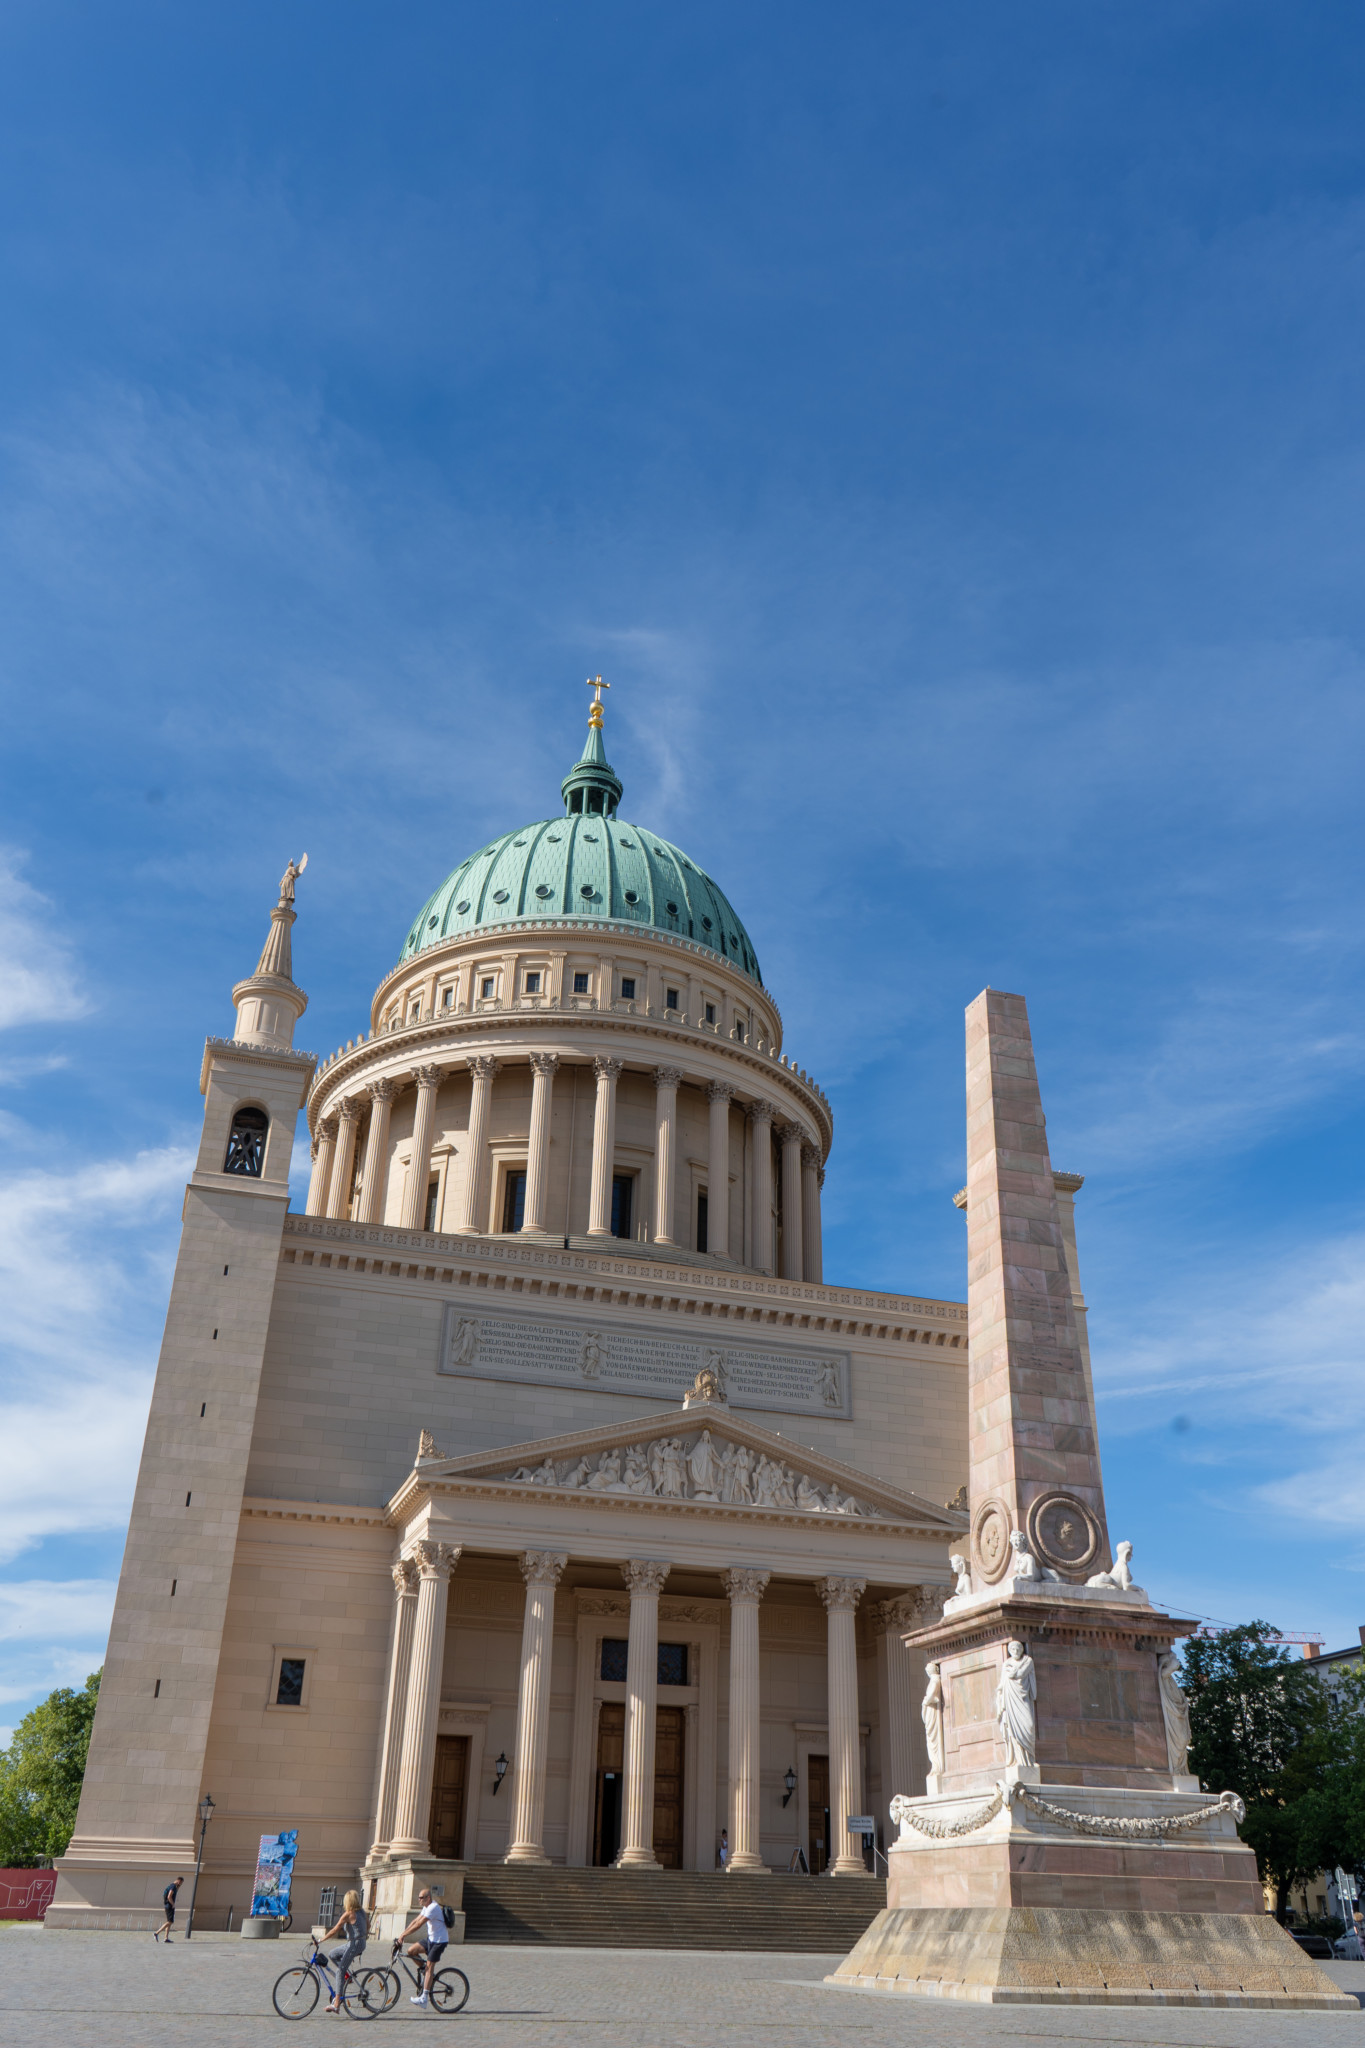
(274, 1874)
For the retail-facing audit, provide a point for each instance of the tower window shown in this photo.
(703, 1216)
(246, 1143)
(514, 1200)
(289, 1691)
(622, 1202)
(672, 1002)
(710, 1013)
(486, 987)
(580, 984)
(533, 983)
(627, 988)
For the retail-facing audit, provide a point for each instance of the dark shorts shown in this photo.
(169, 1904)
(435, 1950)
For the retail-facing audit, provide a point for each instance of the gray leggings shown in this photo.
(344, 1957)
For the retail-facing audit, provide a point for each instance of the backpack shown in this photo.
(448, 1915)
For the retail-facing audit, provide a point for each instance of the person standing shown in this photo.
(723, 1853)
(431, 1942)
(354, 1929)
(168, 1901)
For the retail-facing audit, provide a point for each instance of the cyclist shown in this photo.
(354, 1930)
(431, 1943)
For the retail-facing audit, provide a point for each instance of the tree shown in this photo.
(1263, 1727)
(41, 1774)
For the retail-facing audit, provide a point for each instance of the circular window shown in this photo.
(552, 838)
(518, 842)
(461, 908)
(591, 838)
(499, 895)
(672, 909)
(631, 896)
(431, 924)
(630, 843)
(707, 923)
(586, 889)
(542, 888)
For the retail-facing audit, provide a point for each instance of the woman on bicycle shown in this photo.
(354, 1930)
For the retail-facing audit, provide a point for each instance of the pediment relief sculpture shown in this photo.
(698, 1468)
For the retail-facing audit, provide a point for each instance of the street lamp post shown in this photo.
(205, 1816)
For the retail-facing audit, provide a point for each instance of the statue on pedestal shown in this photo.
(1015, 1708)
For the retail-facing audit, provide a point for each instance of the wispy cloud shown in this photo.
(38, 979)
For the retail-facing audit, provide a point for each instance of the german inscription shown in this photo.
(618, 1359)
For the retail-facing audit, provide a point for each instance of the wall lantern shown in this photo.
(499, 1773)
(790, 1782)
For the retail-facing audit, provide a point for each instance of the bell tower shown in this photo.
(143, 1779)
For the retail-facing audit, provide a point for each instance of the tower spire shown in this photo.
(269, 1002)
(592, 784)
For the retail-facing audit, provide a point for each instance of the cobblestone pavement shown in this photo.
(123, 1991)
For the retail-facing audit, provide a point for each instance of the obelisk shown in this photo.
(1064, 1854)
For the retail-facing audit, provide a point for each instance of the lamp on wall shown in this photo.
(790, 1782)
(499, 1773)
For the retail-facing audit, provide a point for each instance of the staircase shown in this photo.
(668, 1909)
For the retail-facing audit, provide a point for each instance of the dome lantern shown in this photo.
(592, 788)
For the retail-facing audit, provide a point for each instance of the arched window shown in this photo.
(246, 1142)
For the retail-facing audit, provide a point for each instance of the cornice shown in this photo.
(499, 1258)
(257, 1509)
(1048, 1620)
(286, 1058)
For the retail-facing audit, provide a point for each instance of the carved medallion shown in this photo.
(1063, 1533)
(991, 1539)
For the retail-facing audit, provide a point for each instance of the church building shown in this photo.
(531, 1496)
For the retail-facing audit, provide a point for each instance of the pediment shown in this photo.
(703, 1456)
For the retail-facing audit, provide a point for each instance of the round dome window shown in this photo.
(631, 896)
(431, 924)
(542, 888)
(499, 895)
(461, 908)
(672, 909)
(586, 890)
(706, 923)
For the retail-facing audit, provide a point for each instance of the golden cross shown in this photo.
(596, 684)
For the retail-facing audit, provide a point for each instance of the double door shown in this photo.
(669, 1735)
(449, 1789)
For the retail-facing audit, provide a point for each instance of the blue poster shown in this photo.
(274, 1874)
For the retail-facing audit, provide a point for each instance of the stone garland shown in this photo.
(903, 1814)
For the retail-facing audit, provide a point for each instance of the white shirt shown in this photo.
(437, 1931)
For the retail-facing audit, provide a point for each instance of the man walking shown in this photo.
(168, 1901)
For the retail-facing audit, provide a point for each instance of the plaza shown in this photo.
(110, 1990)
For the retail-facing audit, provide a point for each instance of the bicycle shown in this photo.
(360, 1997)
(449, 1987)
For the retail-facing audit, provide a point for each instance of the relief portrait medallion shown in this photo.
(991, 1528)
(1063, 1533)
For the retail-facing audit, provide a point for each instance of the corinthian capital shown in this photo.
(383, 1091)
(543, 1567)
(743, 1584)
(328, 1126)
(428, 1077)
(482, 1065)
(810, 1157)
(668, 1077)
(404, 1577)
(349, 1110)
(645, 1574)
(917, 1607)
(760, 1112)
(545, 1064)
(606, 1068)
(719, 1091)
(436, 1560)
(840, 1592)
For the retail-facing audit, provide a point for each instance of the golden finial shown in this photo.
(595, 715)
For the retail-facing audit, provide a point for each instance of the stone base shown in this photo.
(260, 1927)
(389, 1888)
(1023, 1955)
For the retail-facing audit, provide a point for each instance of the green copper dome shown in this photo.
(585, 865)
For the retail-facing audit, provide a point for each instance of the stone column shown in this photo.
(761, 1117)
(482, 1067)
(541, 1570)
(428, 1080)
(666, 1080)
(645, 1579)
(608, 1072)
(321, 1181)
(396, 1704)
(746, 1589)
(720, 1096)
(841, 1597)
(343, 1158)
(412, 1808)
(793, 1263)
(544, 1066)
(374, 1167)
(811, 1180)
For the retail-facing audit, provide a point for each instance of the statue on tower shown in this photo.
(289, 877)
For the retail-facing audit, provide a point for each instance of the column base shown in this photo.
(526, 1852)
(847, 1866)
(637, 1859)
(743, 1862)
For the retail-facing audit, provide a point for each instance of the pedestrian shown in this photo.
(723, 1853)
(168, 1901)
(354, 1930)
(431, 1942)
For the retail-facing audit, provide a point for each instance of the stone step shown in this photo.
(668, 1909)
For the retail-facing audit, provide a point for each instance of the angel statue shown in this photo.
(1015, 1711)
(289, 877)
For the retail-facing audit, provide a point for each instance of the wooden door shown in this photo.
(817, 1793)
(669, 1731)
(448, 1788)
(611, 1751)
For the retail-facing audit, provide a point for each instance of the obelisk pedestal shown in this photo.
(1066, 1854)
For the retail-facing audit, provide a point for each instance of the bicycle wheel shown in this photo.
(449, 1990)
(365, 1996)
(286, 1923)
(393, 1985)
(295, 1993)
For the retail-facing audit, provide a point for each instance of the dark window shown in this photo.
(710, 1013)
(672, 1663)
(246, 1143)
(289, 1691)
(514, 1201)
(580, 984)
(739, 1033)
(486, 985)
(433, 1191)
(622, 1189)
(702, 1209)
(672, 1667)
(447, 998)
(672, 1003)
(627, 988)
(533, 984)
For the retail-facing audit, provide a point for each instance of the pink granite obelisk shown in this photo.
(1063, 1852)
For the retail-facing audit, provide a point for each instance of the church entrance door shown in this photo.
(817, 1792)
(448, 1787)
(611, 1752)
(669, 1730)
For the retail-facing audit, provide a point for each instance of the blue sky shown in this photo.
(947, 433)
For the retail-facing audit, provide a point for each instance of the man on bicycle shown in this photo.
(431, 1942)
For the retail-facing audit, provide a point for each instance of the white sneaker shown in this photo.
(420, 2000)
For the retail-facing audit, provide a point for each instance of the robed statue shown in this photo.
(1015, 1708)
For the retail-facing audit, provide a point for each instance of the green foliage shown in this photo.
(1264, 1726)
(41, 1774)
